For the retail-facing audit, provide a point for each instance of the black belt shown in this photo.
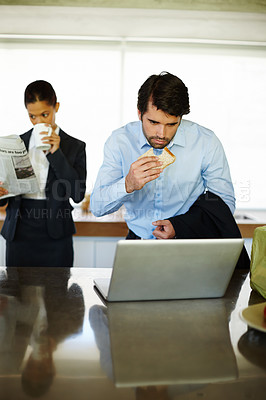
(34, 209)
(132, 236)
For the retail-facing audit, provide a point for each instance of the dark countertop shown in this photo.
(58, 338)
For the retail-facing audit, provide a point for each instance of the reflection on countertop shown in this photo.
(38, 311)
(59, 340)
(164, 344)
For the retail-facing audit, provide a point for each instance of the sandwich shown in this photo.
(166, 157)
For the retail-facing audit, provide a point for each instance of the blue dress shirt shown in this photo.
(200, 165)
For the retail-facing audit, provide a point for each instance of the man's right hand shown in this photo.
(141, 172)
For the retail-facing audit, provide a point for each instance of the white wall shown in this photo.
(113, 23)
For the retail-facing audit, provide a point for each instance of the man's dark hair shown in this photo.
(167, 92)
(40, 91)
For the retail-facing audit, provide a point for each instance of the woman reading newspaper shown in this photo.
(38, 227)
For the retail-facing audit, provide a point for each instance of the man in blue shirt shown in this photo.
(157, 200)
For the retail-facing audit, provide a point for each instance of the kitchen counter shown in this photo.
(113, 225)
(59, 340)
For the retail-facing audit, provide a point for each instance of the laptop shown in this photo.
(170, 269)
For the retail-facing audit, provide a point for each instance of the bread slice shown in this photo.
(166, 157)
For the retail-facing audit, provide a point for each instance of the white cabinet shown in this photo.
(2, 251)
(89, 252)
(93, 252)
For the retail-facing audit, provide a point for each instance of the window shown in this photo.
(97, 84)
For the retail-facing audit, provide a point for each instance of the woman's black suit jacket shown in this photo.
(66, 179)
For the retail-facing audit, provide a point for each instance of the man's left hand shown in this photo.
(164, 229)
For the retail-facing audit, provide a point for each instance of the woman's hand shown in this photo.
(3, 191)
(53, 140)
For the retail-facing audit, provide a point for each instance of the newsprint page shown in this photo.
(16, 172)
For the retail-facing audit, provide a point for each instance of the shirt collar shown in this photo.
(179, 138)
(142, 140)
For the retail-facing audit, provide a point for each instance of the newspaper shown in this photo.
(16, 171)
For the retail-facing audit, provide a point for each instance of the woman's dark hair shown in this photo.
(167, 92)
(40, 91)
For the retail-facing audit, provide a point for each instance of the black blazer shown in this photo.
(66, 179)
(209, 217)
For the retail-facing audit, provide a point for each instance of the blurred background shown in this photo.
(96, 54)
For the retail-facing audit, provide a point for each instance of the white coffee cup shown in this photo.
(37, 129)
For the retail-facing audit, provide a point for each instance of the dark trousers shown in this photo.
(32, 246)
(131, 235)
